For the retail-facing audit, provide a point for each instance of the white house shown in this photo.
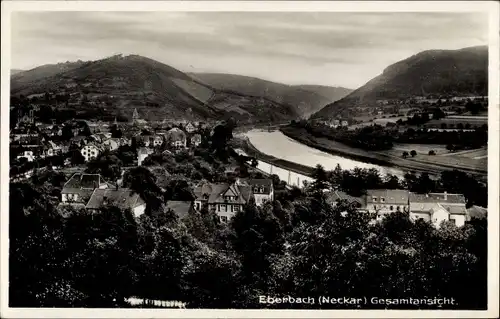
(176, 138)
(142, 153)
(28, 154)
(190, 128)
(438, 207)
(90, 152)
(262, 189)
(111, 144)
(158, 140)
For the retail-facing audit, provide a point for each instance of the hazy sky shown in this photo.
(338, 49)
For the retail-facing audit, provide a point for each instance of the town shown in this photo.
(74, 148)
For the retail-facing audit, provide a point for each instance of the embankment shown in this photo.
(251, 150)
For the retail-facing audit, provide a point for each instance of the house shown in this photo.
(181, 208)
(262, 189)
(202, 193)
(386, 201)
(333, 197)
(78, 189)
(28, 154)
(122, 198)
(176, 138)
(53, 149)
(157, 140)
(91, 151)
(438, 207)
(196, 140)
(146, 140)
(142, 153)
(190, 128)
(223, 198)
(111, 144)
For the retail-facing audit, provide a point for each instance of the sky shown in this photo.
(327, 48)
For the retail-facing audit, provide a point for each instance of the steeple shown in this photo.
(135, 117)
(115, 122)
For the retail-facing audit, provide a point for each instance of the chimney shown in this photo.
(445, 195)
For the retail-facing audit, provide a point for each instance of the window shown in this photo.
(398, 208)
(375, 206)
(236, 208)
(392, 207)
(223, 208)
(223, 219)
(454, 222)
(374, 199)
(382, 199)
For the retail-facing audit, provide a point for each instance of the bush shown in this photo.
(431, 152)
(413, 153)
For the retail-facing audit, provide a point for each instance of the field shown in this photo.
(470, 159)
(421, 148)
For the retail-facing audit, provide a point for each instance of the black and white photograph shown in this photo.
(190, 157)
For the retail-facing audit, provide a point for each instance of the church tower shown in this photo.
(135, 117)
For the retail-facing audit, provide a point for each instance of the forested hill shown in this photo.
(461, 72)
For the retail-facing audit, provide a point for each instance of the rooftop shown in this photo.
(391, 196)
(181, 208)
(437, 198)
(123, 198)
(84, 181)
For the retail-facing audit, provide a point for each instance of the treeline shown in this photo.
(375, 138)
(459, 139)
(378, 138)
(299, 246)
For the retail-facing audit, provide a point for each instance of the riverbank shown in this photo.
(379, 158)
(251, 150)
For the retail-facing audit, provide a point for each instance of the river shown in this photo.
(280, 146)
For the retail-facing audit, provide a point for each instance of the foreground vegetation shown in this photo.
(298, 245)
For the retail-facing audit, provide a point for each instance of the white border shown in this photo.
(492, 7)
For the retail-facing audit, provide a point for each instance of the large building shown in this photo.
(432, 207)
(438, 207)
(227, 199)
(78, 189)
(386, 201)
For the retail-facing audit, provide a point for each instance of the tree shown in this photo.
(108, 165)
(437, 114)
(450, 147)
(405, 154)
(255, 163)
(413, 153)
(431, 152)
(320, 178)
